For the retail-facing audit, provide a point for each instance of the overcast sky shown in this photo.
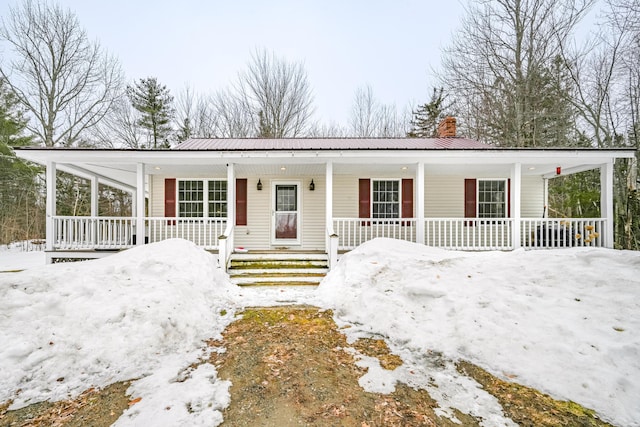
(394, 46)
(391, 45)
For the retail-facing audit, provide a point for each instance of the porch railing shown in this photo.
(352, 232)
(562, 232)
(469, 233)
(450, 233)
(204, 232)
(73, 232)
(80, 232)
(475, 234)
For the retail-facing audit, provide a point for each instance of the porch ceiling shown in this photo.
(119, 166)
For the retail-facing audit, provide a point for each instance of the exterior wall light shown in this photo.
(312, 186)
(259, 186)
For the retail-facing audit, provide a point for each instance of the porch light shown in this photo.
(259, 186)
(312, 186)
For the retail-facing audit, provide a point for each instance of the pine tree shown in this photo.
(21, 217)
(264, 129)
(427, 116)
(155, 103)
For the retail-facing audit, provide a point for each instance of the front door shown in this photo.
(286, 213)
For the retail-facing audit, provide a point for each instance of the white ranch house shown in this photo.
(327, 195)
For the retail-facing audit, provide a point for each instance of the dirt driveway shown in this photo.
(291, 366)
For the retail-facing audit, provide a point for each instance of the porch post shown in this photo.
(328, 203)
(420, 203)
(328, 197)
(606, 202)
(50, 207)
(231, 210)
(546, 197)
(516, 189)
(94, 210)
(134, 203)
(331, 239)
(231, 194)
(140, 227)
(94, 196)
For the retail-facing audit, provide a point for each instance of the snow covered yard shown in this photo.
(143, 313)
(20, 256)
(566, 322)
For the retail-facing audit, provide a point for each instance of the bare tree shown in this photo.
(331, 130)
(195, 115)
(277, 91)
(365, 116)
(120, 127)
(185, 110)
(370, 118)
(500, 68)
(66, 82)
(235, 115)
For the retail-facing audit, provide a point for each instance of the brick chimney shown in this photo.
(447, 127)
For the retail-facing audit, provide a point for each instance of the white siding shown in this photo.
(345, 196)
(156, 192)
(532, 197)
(444, 197)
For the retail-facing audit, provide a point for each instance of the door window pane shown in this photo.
(286, 198)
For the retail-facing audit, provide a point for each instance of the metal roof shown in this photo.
(252, 144)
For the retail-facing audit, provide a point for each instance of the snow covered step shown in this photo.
(279, 256)
(276, 281)
(278, 271)
(268, 269)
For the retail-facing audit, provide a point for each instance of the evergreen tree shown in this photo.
(264, 129)
(155, 104)
(21, 214)
(185, 130)
(426, 117)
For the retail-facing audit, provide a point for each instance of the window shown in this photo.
(492, 198)
(192, 202)
(385, 199)
(190, 199)
(218, 199)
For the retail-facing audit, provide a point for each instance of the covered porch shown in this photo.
(435, 202)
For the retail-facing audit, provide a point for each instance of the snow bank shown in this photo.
(67, 327)
(566, 322)
(20, 256)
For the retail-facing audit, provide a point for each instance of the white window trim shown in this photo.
(205, 196)
(399, 181)
(506, 196)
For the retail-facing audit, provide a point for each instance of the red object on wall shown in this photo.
(170, 199)
(407, 198)
(470, 198)
(558, 170)
(241, 201)
(364, 210)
